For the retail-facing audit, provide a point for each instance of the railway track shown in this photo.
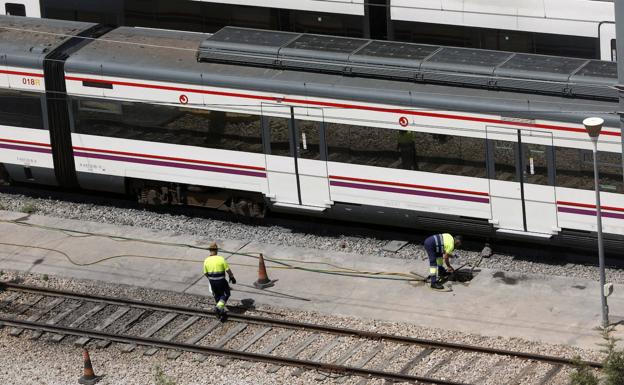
(331, 351)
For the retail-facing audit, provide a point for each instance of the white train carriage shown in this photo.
(345, 128)
(24, 126)
(581, 28)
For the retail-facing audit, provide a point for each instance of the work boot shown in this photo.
(437, 286)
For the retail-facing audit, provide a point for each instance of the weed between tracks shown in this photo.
(28, 208)
(160, 378)
(613, 364)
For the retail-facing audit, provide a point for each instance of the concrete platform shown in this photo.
(558, 310)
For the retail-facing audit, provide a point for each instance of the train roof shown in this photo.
(413, 62)
(28, 49)
(171, 56)
(143, 53)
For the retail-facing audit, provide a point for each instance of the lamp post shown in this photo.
(593, 127)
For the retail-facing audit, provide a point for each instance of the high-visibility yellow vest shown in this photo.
(449, 243)
(215, 267)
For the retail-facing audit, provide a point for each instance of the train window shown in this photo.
(535, 164)
(180, 15)
(450, 154)
(100, 106)
(610, 170)
(575, 169)
(327, 23)
(505, 161)
(218, 16)
(406, 144)
(338, 142)
(497, 39)
(51, 12)
(279, 131)
(251, 17)
(14, 9)
(108, 86)
(21, 109)
(242, 132)
(309, 139)
(97, 17)
(166, 124)
(140, 13)
(105, 12)
(366, 146)
(563, 45)
(369, 146)
(427, 33)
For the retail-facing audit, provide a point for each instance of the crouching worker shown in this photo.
(215, 267)
(440, 247)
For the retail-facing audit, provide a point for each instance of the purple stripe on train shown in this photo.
(605, 214)
(169, 164)
(410, 192)
(26, 148)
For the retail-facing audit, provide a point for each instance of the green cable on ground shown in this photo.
(338, 270)
(370, 275)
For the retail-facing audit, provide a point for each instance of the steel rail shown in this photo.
(153, 342)
(304, 325)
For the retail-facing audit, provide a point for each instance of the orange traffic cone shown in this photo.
(263, 279)
(88, 376)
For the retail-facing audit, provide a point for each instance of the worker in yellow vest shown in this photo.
(215, 267)
(439, 248)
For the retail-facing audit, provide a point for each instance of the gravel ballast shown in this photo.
(30, 362)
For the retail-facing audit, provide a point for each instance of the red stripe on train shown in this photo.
(344, 105)
(409, 185)
(170, 158)
(589, 206)
(35, 75)
(25, 142)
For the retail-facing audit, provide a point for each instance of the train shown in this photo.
(580, 28)
(477, 142)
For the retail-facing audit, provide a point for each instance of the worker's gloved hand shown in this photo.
(450, 269)
(232, 280)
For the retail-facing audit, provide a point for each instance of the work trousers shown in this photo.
(433, 246)
(220, 290)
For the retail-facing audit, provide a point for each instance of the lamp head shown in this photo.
(593, 126)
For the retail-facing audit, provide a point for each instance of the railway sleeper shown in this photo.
(15, 305)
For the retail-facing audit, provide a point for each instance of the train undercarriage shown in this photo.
(239, 203)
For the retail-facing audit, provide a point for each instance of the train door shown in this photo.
(521, 169)
(296, 157)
